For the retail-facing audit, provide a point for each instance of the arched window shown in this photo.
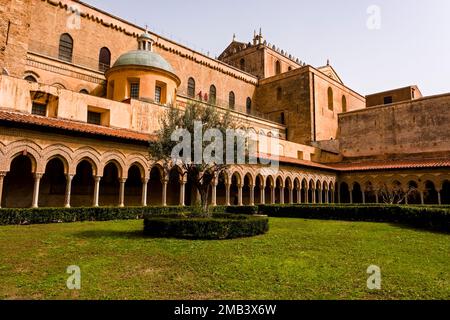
(191, 88)
(290, 69)
(65, 47)
(231, 100)
(30, 78)
(330, 99)
(279, 93)
(249, 105)
(277, 67)
(212, 94)
(242, 64)
(344, 104)
(84, 91)
(104, 59)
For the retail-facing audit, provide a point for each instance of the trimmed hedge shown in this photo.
(58, 215)
(219, 227)
(429, 217)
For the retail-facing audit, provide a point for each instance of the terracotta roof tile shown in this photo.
(392, 164)
(73, 126)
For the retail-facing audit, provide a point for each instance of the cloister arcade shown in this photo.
(61, 177)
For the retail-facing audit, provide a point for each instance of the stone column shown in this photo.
(96, 190)
(240, 187)
(422, 197)
(363, 197)
(144, 192)
(37, 182)
(313, 194)
(273, 198)
(299, 195)
(281, 195)
(252, 195)
(262, 194)
(122, 192)
(377, 199)
(327, 196)
(214, 193)
(439, 197)
(227, 194)
(291, 196)
(306, 195)
(351, 196)
(182, 193)
(164, 192)
(69, 179)
(2, 178)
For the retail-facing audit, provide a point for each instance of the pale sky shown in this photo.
(411, 45)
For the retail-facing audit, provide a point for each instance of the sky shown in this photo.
(373, 45)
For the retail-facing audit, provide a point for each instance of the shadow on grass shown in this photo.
(434, 230)
(112, 234)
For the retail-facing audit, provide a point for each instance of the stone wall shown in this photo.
(14, 31)
(403, 129)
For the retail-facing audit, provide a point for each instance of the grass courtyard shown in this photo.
(297, 259)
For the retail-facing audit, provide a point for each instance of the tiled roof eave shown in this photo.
(73, 126)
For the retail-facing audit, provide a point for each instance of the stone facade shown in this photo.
(331, 148)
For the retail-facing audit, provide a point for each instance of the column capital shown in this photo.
(145, 180)
(123, 180)
(97, 178)
(38, 175)
(3, 174)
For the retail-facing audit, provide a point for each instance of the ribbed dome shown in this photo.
(145, 59)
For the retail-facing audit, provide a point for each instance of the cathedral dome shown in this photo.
(142, 58)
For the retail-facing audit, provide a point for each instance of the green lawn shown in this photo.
(297, 259)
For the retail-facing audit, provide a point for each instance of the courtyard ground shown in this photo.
(297, 259)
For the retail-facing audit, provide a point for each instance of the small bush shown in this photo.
(430, 217)
(219, 227)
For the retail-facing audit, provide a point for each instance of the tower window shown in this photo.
(249, 106)
(65, 47)
(158, 91)
(94, 118)
(232, 100)
(104, 59)
(277, 67)
(39, 109)
(212, 94)
(134, 90)
(191, 88)
(330, 99)
(388, 100)
(344, 104)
